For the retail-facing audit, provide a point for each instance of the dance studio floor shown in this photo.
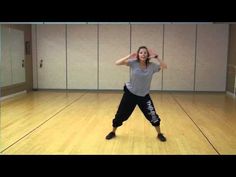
(56, 122)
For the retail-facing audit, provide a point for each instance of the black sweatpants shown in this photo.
(127, 105)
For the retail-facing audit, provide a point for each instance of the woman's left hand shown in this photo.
(152, 54)
(163, 65)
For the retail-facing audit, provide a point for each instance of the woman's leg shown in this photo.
(125, 109)
(147, 107)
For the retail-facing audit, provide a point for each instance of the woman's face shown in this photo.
(143, 54)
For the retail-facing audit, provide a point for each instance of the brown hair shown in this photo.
(143, 47)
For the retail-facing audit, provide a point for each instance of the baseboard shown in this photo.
(12, 95)
(231, 94)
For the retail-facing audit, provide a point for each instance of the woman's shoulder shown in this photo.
(132, 61)
(153, 64)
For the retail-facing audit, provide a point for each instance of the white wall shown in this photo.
(34, 55)
(0, 54)
(211, 57)
(6, 69)
(82, 56)
(17, 56)
(179, 54)
(12, 56)
(51, 51)
(196, 55)
(114, 43)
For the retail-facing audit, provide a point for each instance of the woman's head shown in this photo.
(143, 54)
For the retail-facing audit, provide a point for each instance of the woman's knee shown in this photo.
(156, 122)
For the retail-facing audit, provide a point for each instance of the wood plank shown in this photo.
(22, 114)
(81, 127)
(215, 115)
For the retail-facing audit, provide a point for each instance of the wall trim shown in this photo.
(12, 95)
(231, 94)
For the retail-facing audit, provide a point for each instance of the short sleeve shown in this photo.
(131, 62)
(156, 67)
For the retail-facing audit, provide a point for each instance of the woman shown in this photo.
(136, 92)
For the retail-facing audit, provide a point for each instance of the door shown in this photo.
(51, 56)
(18, 56)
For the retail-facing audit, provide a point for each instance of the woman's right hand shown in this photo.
(133, 55)
(124, 60)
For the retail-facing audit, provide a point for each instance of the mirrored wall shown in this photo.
(12, 56)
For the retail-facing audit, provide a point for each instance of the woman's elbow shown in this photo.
(117, 63)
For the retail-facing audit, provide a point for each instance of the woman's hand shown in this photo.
(163, 65)
(133, 55)
(152, 54)
(124, 60)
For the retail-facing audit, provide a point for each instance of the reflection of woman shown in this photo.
(136, 92)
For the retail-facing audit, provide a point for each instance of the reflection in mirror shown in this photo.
(13, 56)
(6, 76)
(17, 56)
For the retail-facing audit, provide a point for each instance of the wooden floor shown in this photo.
(47, 122)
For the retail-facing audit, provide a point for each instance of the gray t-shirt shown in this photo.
(140, 79)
